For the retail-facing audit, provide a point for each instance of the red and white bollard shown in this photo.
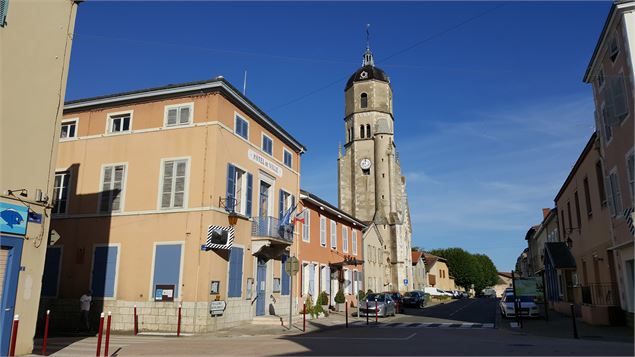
(178, 326)
(346, 311)
(14, 334)
(46, 332)
(304, 318)
(136, 326)
(101, 331)
(107, 335)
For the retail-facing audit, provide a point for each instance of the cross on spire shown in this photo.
(368, 55)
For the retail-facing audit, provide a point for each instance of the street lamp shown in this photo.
(232, 218)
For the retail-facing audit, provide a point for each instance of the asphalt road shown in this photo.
(480, 310)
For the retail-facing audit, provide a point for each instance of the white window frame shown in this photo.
(354, 241)
(74, 121)
(333, 232)
(109, 120)
(262, 143)
(285, 152)
(68, 186)
(304, 286)
(186, 187)
(242, 209)
(154, 252)
(306, 226)
(344, 238)
(236, 117)
(124, 181)
(92, 266)
(271, 181)
(178, 119)
(630, 175)
(323, 231)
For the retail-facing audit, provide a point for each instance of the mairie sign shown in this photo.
(264, 162)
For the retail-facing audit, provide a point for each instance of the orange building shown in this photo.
(330, 250)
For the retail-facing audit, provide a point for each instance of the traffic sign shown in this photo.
(292, 266)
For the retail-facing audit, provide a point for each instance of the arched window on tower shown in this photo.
(364, 100)
(361, 131)
(368, 130)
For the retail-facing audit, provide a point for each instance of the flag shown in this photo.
(286, 218)
(300, 216)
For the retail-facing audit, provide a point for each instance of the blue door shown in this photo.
(261, 285)
(10, 256)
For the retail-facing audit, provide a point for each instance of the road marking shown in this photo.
(453, 325)
(356, 338)
(462, 307)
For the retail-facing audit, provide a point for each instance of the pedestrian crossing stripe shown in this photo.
(462, 325)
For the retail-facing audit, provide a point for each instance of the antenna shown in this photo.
(245, 84)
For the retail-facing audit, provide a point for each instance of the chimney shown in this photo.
(545, 212)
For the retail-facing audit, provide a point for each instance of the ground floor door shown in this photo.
(10, 256)
(261, 284)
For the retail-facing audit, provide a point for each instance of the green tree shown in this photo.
(488, 274)
(462, 265)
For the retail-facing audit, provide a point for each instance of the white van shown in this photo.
(434, 291)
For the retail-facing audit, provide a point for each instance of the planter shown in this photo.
(325, 307)
(341, 307)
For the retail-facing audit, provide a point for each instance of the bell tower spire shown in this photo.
(368, 55)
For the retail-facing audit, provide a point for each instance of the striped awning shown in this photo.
(219, 237)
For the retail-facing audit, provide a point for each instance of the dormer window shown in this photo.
(364, 100)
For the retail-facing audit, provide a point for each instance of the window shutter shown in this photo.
(172, 116)
(104, 205)
(328, 280)
(284, 277)
(179, 184)
(166, 196)
(231, 188)
(250, 180)
(617, 195)
(281, 204)
(235, 272)
(609, 193)
(4, 7)
(117, 187)
(184, 117)
(619, 98)
(311, 274)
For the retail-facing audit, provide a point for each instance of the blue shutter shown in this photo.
(235, 272)
(4, 7)
(284, 277)
(51, 274)
(250, 180)
(231, 187)
(104, 271)
(292, 202)
(281, 205)
(167, 266)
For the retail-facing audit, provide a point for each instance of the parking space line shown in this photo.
(356, 338)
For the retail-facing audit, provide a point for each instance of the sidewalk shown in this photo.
(561, 326)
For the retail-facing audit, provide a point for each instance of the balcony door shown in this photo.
(263, 208)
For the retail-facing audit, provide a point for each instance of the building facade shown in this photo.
(419, 279)
(376, 269)
(438, 273)
(172, 196)
(610, 72)
(584, 221)
(35, 46)
(371, 186)
(330, 251)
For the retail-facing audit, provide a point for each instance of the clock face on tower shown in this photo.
(365, 164)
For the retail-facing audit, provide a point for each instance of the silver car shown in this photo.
(377, 304)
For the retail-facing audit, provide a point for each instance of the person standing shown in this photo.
(84, 307)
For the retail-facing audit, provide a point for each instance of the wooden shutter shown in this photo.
(166, 189)
(235, 272)
(250, 180)
(172, 116)
(184, 115)
(179, 184)
(281, 204)
(104, 204)
(231, 188)
(117, 187)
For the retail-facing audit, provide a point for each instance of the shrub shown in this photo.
(339, 297)
(369, 291)
(323, 298)
(310, 309)
(361, 295)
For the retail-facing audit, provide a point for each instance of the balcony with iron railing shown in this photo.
(269, 227)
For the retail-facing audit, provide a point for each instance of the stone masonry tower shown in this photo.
(371, 186)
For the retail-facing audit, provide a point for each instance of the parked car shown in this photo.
(415, 298)
(527, 306)
(380, 304)
(398, 299)
(488, 292)
(435, 292)
(447, 293)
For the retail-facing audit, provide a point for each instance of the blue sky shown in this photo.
(490, 108)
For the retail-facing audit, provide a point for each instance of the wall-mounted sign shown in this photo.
(219, 237)
(405, 281)
(164, 293)
(13, 218)
(214, 287)
(35, 217)
(264, 162)
(217, 307)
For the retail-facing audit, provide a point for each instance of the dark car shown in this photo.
(415, 299)
(398, 299)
